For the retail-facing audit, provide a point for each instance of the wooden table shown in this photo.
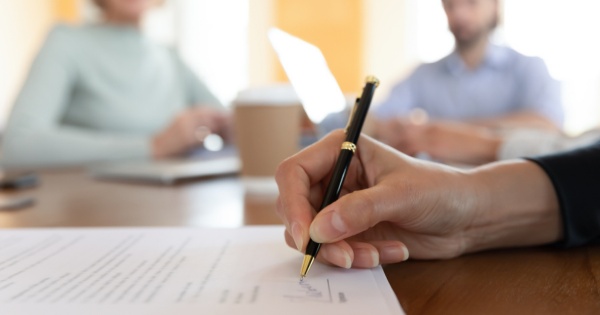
(515, 281)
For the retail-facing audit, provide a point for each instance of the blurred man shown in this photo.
(478, 83)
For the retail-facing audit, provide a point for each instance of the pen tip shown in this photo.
(306, 263)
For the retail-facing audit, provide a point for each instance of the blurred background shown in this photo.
(225, 41)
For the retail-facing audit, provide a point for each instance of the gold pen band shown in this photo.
(349, 146)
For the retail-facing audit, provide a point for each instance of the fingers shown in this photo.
(185, 127)
(316, 161)
(365, 255)
(205, 117)
(289, 240)
(300, 180)
(392, 131)
(338, 254)
(390, 252)
(295, 178)
(404, 135)
(362, 254)
(293, 206)
(358, 254)
(353, 213)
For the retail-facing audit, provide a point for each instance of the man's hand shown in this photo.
(450, 142)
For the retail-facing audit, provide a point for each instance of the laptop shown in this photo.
(311, 78)
(199, 164)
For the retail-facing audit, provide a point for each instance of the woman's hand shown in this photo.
(376, 218)
(391, 205)
(188, 130)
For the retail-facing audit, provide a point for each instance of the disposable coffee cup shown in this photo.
(267, 130)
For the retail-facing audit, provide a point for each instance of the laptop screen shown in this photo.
(309, 74)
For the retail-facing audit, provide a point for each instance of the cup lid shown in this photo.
(275, 95)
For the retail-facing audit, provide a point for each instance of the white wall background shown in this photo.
(213, 40)
(566, 34)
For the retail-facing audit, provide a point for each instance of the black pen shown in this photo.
(355, 123)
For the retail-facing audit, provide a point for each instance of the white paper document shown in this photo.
(176, 271)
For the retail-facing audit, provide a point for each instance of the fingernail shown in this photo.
(297, 235)
(394, 253)
(347, 259)
(329, 227)
(335, 255)
(370, 252)
(375, 256)
(405, 250)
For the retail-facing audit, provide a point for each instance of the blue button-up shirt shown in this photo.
(505, 83)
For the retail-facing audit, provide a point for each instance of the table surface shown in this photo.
(539, 280)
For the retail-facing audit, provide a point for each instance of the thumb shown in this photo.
(351, 215)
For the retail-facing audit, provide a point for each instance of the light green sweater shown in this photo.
(97, 93)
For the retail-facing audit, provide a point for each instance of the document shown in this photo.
(176, 271)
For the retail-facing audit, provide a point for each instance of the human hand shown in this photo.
(389, 203)
(188, 130)
(453, 142)
(391, 132)
(392, 204)
(450, 142)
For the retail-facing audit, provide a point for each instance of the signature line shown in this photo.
(329, 289)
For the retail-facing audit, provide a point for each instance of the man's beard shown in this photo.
(466, 43)
(470, 41)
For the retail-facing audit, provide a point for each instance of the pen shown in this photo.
(355, 123)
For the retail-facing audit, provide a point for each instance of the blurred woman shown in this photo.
(104, 92)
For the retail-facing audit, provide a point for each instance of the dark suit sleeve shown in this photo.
(576, 179)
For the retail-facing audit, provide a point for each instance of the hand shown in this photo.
(392, 132)
(373, 222)
(392, 204)
(188, 130)
(449, 142)
(452, 142)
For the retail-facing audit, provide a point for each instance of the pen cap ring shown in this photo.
(349, 146)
